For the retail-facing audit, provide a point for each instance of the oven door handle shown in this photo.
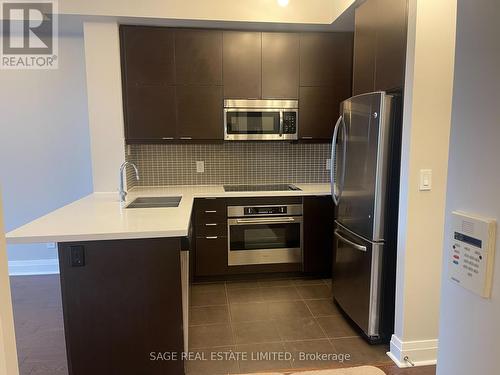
(266, 220)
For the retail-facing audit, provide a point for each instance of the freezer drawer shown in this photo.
(357, 279)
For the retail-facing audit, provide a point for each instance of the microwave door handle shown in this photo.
(349, 242)
(333, 170)
(281, 123)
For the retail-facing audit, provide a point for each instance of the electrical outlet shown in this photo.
(328, 164)
(200, 166)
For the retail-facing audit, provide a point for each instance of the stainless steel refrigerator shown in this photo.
(365, 186)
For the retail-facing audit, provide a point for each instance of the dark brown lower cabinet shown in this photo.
(211, 256)
(318, 235)
(122, 302)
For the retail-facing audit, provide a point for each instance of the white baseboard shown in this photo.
(420, 353)
(33, 267)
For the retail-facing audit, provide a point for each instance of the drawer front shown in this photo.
(202, 204)
(208, 211)
(211, 229)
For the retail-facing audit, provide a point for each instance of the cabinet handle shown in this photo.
(168, 138)
(186, 138)
(211, 237)
(211, 225)
(210, 211)
(306, 137)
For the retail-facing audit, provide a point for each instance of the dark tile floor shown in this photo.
(238, 318)
(288, 315)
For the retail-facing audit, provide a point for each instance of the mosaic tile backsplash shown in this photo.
(228, 163)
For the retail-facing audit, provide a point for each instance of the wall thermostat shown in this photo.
(472, 252)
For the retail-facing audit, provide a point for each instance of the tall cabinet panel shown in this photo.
(391, 45)
(325, 81)
(148, 82)
(198, 59)
(379, 45)
(365, 40)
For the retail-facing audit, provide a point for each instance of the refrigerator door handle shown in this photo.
(349, 242)
(333, 170)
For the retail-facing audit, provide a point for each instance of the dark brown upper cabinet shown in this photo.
(325, 59)
(198, 57)
(390, 58)
(365, 41)
(325, 81)
(148, 55)
(280, 66)
(242, 57)
(150, 113)
(199, 112)
(379, 45)
(175, 80)
(318, 112)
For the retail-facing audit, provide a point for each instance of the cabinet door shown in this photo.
(198, 57)
(280, 66)
(199, 111)
(325, 59)
(318, 235)
(391, 44)
(365, 40)
(150, 113)
(318, 112)
(242, 64)
(211, 256)
(148, 55)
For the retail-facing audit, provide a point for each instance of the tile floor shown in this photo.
(288, 315)
(259, 316)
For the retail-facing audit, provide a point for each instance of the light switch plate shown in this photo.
(425, 179)
(200, 166)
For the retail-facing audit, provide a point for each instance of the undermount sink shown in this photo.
(155, 202)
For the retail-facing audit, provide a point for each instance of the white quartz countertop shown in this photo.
(99, 216)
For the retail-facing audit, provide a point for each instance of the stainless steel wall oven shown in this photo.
(264, 234)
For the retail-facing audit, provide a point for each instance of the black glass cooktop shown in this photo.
(270, 187)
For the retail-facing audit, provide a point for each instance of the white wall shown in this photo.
(44, 140)
(298, 11)
(426, 125)
(469, 324)
(105, 106)
(8, 353)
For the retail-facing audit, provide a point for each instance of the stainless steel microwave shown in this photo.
(261, 120)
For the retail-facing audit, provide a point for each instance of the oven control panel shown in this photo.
(472, 252)
(272, 210)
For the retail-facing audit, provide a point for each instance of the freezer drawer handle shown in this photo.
(349, 242)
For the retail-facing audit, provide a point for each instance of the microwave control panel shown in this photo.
(289, 122)
(472, 252)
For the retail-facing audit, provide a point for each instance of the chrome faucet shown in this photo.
(122, 192)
